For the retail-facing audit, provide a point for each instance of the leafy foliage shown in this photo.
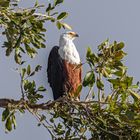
(9, 118)
(28, 88)
(114, 114)
(24, 28)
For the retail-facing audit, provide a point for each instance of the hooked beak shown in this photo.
(73, 34)
(76, 35)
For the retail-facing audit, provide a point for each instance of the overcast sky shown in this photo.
(94, 21)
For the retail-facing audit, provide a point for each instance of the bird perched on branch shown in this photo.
(64, 70)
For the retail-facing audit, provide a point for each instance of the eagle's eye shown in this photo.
(70, 33)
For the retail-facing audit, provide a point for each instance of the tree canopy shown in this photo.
(111, 114)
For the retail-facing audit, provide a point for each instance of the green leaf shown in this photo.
(48, 8)
(51, 19)
(5, 114)
(134, 86)
(22, 62)
(38, 67)
(37, 96)
(118, 73)
(22, 110)
(106, 72)
(135, 95)
(62, 16)
(128, 80)
(119, 55)
(68, 133)
(58, 2)
(76, 94)
(41, 88)
(23, 72)
(89, 79)
(52, 120)
(18, 58)
(99, 84)
(8, 51)
(66, 26)
(59, 126)
(115, 82)
(32, 11)
(26, 82)
(43, 117)
(33, 73)
(36, 3)
(43, 45)
(89, 52)
(22, 50)
(8, 124)
(14, 121)
(58, 24)
(28, 69)
(91, 57)
(119, 46)
(30, 51)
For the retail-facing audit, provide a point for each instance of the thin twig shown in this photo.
(89, 93)
(21, 87)
(39, 120)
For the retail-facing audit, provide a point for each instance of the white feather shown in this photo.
(67, 50)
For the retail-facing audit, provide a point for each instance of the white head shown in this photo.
(68, 36)
(67, 49)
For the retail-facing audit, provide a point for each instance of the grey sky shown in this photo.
(94, 21)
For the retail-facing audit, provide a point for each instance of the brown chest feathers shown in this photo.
(73, 77)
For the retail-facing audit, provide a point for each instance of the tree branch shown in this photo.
(21, 104)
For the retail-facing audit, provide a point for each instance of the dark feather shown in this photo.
(56, 73)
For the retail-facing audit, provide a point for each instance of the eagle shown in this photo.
(64, 69)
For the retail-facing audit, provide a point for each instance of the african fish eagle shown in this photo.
(63, 72)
